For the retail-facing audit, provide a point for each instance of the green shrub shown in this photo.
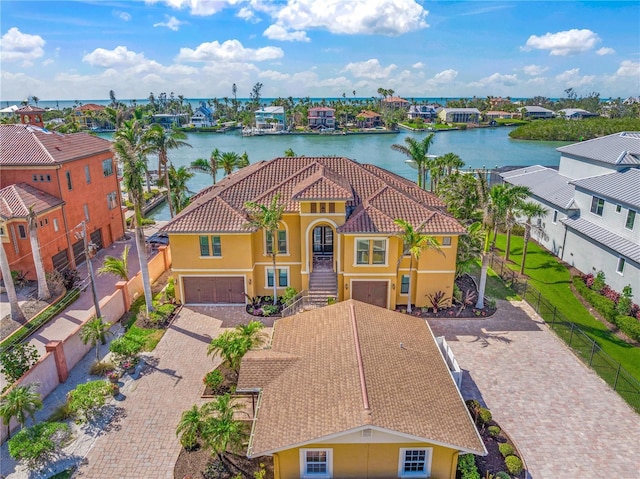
(502, 475)
(599, 281)
(484, 415)
(289, 294)
(170, 290)
(213, 379)
(604, 306)
(626, 301)
(270, 309)
(494, 430)
(86, 399)
(629, 326)
(125, 348)
(467, 467)
(505, 449)
(17, 361)
(38, 444)
(514, 464)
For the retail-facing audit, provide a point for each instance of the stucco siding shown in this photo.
(581, 167)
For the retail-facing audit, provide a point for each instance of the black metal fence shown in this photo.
(580, 343)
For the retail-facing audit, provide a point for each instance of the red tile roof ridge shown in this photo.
(19, 197)
(277, 186)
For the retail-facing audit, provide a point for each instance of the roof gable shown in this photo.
(617, 149)
(623, 186)
(15, 201)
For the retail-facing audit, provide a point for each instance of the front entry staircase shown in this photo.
(323, 284)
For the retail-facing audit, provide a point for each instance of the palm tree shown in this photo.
(178, 178)
(469, 248)
(208, 166)
(117, 266)
(252, 334)
(530, 210)
(95, 330)
(415, 242)
(190, 426)
(418, 151)
(289, 153)
(451, 161)
(244, 160)
(20, 402)
(508, 197)
(221, 431)
(160, 141)
(32, 220)
(488, 222)
(229, 161)
(5, 269)
(267, 218)
(130, 150)
(230, 347)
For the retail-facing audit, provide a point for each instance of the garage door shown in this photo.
(211, 290)
(60, 261)
(78, 252)
(372, 292)
(96, 238)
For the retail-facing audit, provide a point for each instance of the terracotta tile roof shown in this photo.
(322, 108)
(368, 114)
(24, 145)
(313, 178)
(30, 109)
(322, 392)
(90, 107)
(15, 201)
(395, 99)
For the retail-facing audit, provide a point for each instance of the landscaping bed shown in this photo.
(226, 383)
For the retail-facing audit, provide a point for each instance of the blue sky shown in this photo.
(79, 50)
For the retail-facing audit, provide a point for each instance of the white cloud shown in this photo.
(371, 17)
(201, 8)
(605, 51)
(18, 46)
(229, 51)
(369, 69)
(47, 62)
(124, 16)
(445, 76)
(118, 57)
(418, 65)
(629, 69)
(497, 79)
(277, 32)
(534, 70)
(569, 42)
(274, 75)
(248, 15)
(172, 23)
(571, 78)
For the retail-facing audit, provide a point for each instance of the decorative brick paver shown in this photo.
(143, 445)
(566, 421)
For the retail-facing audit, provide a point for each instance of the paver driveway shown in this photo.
(563, 417)
(145, 446)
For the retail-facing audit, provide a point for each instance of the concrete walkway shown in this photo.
(566, 421)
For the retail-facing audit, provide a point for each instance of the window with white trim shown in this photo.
(316, 463)
(282, 241)
(283, 277)
(107, 167)
(210, 246)
(371, 251)
(404, 284)
(415, 462)
(597, 205)
(446, 241)
(112, 200)
(22, 231)
(631, 218)
(55, 224)
(621, 263)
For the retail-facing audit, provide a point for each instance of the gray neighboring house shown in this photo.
(593, 203)
(533, 112)
(576, 113)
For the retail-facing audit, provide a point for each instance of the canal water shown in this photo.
(479, 147)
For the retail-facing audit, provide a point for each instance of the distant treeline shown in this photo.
(574, 130)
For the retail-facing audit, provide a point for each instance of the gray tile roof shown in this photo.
(537, 109)
(606, 238)
(621, 186)
(617, 149)
(545, 183)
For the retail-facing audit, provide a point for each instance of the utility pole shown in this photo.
(89, 248)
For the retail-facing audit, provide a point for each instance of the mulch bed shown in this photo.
(228, 385)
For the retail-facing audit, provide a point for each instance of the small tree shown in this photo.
(95, 330)
(86, 399)
(21, 402)
(38, 444)
(117, 266)
(221, 431)
(252, 334)
(190, 427)
(18, 360)
(230, 347)
(626, 301)
(530, 210)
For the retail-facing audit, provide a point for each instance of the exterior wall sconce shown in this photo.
(346, 285)
(249, 281)
(393, 285)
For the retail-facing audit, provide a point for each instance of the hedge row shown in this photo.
(607, 308)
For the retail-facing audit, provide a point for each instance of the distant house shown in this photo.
(341, 405)
(170, 120)
(593, 203)
(368, 119)
(497, 102)
(536, 113)
(504, 115)
(426, 112)
(202, 117)
(395, 102)
(88, 116)
(459, 115)
(9, 111)
(576, 113)
(321, 117)
(270, 118)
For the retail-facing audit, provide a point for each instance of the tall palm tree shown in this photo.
(507, 197)
(451, 161)
(130, 150)
(5, 269)
(160, 141)
(32, 221)
(488, 222)
(415, 242)
(267, 218)
(95, 331)
(229, 161)
(209, 166)
(418, 151)
(469, 248)
(529, 210)
(178, 178)
(20, 402)
(117, 266)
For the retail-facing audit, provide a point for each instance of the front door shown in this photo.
(322, 241)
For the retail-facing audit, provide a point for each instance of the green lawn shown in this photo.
(552, 279)
(495, 287)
